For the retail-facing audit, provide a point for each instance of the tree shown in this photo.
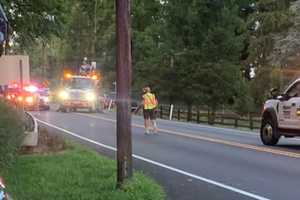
(78, 38)
(191, 49)
(31, 20)
(270, 17)
(90, 32)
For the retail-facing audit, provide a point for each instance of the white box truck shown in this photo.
(11, 70)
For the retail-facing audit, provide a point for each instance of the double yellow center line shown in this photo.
(209, 139)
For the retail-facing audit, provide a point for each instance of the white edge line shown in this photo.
(221, 185)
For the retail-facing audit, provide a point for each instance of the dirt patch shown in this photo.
(46, 144)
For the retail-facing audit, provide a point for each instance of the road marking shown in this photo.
(209, 139)
(218, 184)
(236, 131)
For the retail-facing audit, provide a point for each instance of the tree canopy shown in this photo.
(31, 20)
(188, 51)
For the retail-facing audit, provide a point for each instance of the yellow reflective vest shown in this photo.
(149, 101)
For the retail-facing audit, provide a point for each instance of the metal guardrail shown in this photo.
(30, 122)
(31, 130)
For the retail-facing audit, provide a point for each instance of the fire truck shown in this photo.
(79, 92)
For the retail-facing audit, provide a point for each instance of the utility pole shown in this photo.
(124, 143)
(21, 79)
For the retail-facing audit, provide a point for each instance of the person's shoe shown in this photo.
(147, 132)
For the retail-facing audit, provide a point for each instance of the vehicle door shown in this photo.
(289, 108)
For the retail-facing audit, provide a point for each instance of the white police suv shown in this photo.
(281, 115)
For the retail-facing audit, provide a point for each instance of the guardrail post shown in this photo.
(31, 132)
(251, 121)
(208, 116)
(198, 116)
(211, 117)
(187, 116)
(189, 113)
(178, 114)
(161, 112)
(171, 112)
(235, 122)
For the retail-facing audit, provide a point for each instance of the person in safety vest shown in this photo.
(149, 103)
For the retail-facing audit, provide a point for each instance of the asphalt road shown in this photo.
(194, 161)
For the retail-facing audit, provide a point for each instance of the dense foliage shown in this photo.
(11, 134)
(190, 51)
(77, 173)
(32, 20)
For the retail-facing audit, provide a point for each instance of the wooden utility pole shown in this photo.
(124, 145)
(21, 79)
(21, 73)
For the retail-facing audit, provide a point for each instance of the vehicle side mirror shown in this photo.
(283, 97)
(274, 93)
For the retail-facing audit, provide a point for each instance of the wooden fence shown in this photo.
(200, 115)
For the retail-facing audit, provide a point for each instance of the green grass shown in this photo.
(76, 173)
(11, 133)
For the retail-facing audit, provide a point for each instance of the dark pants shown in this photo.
(149, 114)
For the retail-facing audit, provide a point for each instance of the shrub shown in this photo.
(11, 134)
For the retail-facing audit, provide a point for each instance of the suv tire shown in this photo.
(269, 132)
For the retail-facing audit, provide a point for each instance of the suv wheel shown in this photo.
(269, 133)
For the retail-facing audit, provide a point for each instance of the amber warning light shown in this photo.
(95, 77)
(68, 75)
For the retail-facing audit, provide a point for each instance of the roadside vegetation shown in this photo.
(11, 134)
(62, 170)
(76, 173)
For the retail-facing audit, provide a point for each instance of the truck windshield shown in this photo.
(80, 83)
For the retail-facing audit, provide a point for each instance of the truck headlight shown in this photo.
(29, 99)
(46, 99)
(90, 96)
(20, 98)
(63, 95)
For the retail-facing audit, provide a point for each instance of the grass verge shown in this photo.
(76, 173)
